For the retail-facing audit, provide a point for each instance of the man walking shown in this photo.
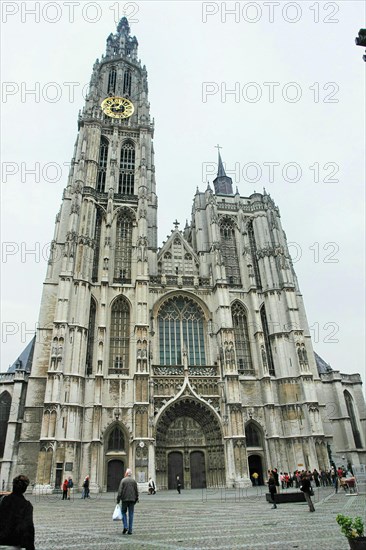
(306, 488)
(128, 493)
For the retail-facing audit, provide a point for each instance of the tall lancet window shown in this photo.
(253, 250)
(181, 331)
(91, 337)
(119, 337)
(102, 168)
(123, 247)
(127, 83)
(126, 182)
(352, 417)
(241, 334)
(5, 406)
(112, 78)
(229, 252)
(97, 233)
(268, 359)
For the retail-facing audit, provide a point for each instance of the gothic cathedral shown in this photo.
(193, 359)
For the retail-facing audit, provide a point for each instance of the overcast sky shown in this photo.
(293, 123)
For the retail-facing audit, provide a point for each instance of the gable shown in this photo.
(177, 257)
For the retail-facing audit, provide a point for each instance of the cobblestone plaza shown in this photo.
(196, 519)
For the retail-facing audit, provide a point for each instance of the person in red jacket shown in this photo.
(65, 487)
(16, 513)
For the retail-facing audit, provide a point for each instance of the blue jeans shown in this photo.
(130, 506)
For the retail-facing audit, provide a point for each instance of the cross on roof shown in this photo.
(218, 148)
(176, 223)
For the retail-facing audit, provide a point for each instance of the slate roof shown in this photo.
(24, 361)
(323, 367)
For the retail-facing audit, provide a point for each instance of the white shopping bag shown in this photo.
(117, 514)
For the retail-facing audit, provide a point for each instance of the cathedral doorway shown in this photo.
(175, 468)
(189, 443)
(115, 470)
(198, 470)
(255, 465)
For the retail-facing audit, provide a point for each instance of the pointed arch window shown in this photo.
(253, 250)
(126, 183)
(119, 337)
(242, 343)
(352, 417)
(267, 341)
(5, 404)
(181, 330)
(123, 248)
(116, 440)
(127, 79)
(91, 337)
(112, 78)
(97, 235)
(253, 436)
(229, 252)
(102, 167)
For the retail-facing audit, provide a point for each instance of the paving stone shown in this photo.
(196, 519)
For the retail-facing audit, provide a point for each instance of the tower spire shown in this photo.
(122, 43)
(222, 183)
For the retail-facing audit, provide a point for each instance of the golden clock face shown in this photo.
(117, 107)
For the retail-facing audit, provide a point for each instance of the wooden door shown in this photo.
(198, 470)
(115, 473)
(175, 468)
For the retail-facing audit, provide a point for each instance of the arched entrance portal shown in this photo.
(115, 472)
(255, 465)
(189, 443)
(254, 439)
(116, 452)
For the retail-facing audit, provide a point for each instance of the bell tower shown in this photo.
(93, 322)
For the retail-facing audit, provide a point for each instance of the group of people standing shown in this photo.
(67, 485)
(274, 480)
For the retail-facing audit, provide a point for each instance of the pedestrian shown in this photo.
(128, 493)
(282, 480)
(65, 486)
(277, 479)
(16, 526)
(334, 477)
(255, 477)
(70, 485)
(307, 489)
(151, 487)
(86, 484)
(272, 489)
(179, 485)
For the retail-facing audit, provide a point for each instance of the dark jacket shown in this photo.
(16, 522)
(305, 485)
(128, 490)
(272, 485)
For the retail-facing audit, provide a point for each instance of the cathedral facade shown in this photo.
(193, 359)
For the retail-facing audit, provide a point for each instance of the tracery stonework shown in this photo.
(185, 432)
